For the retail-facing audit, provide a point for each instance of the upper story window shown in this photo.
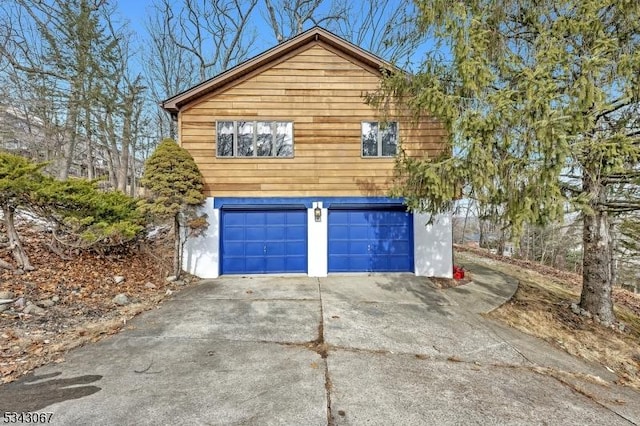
(379, 139)
(254, 138)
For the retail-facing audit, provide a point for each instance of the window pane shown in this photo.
(369, 139)
(245, 138)
(389, 138)
(225, 138)
(284, 139)
(264, 139)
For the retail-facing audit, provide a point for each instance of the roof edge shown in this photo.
(176, 102)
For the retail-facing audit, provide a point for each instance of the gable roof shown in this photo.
(315, 35)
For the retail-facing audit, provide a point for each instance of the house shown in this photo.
(297, 167)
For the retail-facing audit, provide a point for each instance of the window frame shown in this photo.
(379, 138)
(273, 123)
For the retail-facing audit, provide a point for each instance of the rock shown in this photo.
(121, 299)
(118, 279)
(4, 307)
(171, 278)
(19, 303)
(6, 295)
(179, 282)
(46, 303)
(575, 308)
(33, 309)
(149, 285)
(55, 299)
(168, 292)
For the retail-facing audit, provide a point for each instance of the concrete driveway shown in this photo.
(339, 350)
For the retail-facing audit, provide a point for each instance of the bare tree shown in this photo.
(215, 34)
(288, 18)
(384, 27)
(58, 47)
(167, 66)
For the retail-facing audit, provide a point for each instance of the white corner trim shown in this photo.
(317, 243)
(433, 246)
(201, 255)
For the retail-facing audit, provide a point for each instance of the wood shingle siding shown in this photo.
(321, 91)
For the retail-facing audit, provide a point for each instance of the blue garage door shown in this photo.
(370, 240)
(263, 241)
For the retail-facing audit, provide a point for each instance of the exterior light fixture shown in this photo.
(317, 213)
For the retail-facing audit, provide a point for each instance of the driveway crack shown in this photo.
(323, 350)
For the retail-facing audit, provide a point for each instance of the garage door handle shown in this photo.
(265, 249)
(369, 248)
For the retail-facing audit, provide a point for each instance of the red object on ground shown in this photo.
(458, 273)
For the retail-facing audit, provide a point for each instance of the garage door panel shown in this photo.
(337, 231)
(298, 263)
(263, 241)
(251, 249)
(297, 219)
(274, 233)
(255, 233)
(340, 247)
(296, 247)
(295, 232)
(275, 263)
(275, 218)
(257, 218)
(357, 247)
(370, 240)
(359, 232)
(235, 233)
(274, 249)
(254, 264)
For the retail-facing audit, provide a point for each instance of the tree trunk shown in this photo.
(501, 241)
(20, 256)
(90, 160)
(177, 256)
(596, 272)
(123, 164)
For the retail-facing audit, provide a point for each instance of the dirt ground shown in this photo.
(75, 295)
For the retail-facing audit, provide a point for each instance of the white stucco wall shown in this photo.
(318, 242)
(201, 255)
(433, 254)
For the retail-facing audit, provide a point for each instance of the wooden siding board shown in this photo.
(322, 93)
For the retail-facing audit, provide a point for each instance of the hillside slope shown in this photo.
(545, 305)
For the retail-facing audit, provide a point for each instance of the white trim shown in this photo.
(317, 240)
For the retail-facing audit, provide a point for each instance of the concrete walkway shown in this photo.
(385, 349)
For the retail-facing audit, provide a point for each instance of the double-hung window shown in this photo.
(254, 139)
(379, 139)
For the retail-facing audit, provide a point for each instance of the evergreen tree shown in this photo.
(18, 179)
(540, 101)
(176, 190)
(87, 217)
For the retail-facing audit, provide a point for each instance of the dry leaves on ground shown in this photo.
(79, 294)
